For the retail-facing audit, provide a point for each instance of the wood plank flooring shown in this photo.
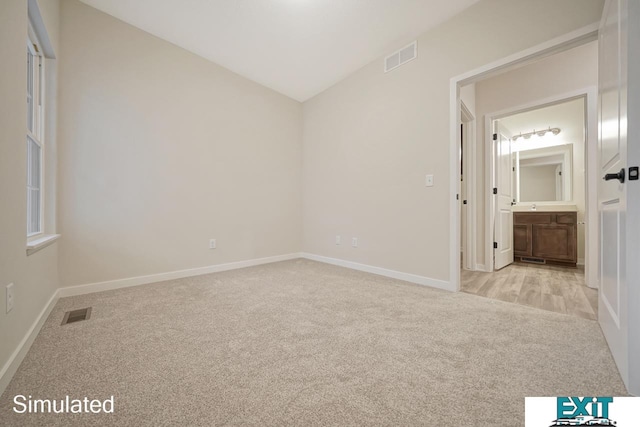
(552, 288)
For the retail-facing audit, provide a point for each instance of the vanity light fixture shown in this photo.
(540, 133)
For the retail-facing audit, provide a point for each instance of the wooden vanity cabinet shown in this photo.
(546, 237)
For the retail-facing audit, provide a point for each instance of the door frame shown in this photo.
(590, 96)
(565, 42)
(468, 154)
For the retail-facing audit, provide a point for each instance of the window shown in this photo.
(35, 134)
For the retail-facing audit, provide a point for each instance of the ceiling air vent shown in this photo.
(401, 57)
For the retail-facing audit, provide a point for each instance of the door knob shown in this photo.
(619, 176)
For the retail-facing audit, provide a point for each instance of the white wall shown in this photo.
(35, 277)
(556, 75)
(370, 139)
(161, 150)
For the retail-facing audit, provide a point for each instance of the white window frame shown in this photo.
(35, 132)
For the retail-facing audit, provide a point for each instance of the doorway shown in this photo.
(507, 93)
(539, 197)
(542, 282)
(617, 255)
(539, 209)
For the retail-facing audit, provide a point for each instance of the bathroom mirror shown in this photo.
(543, 174)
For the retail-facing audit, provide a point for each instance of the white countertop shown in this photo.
(526, 207)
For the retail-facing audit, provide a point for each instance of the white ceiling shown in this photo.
(296, 47)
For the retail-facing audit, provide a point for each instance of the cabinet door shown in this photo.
(522, 239)
(556, 242)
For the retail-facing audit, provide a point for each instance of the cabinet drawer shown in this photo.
(567, 218)
(532, 218)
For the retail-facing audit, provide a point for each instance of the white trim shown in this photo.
(454, 184)
(591, 154)
(171, 275)
(407, 277)
(38, 113)
(34, 245)
(40, 29)
(11, 366)
(481, 267)
(559, 44)
(469, 123)
(573, 39)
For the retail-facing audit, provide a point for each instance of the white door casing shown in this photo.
(558, 44)
(467, 192)
(612, 197)
(503, 228)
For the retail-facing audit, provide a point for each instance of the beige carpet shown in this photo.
(305, 343)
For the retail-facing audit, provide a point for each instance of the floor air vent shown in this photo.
(533, 260)
(76, 315)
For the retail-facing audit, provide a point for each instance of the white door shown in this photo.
(612, 197)
(503, 196)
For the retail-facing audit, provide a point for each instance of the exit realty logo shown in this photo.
(582, 411)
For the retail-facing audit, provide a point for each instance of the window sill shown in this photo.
(35, 245)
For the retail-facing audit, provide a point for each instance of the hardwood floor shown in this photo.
(547, 287)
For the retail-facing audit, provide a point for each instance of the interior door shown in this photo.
(612, 197)
(503, 196)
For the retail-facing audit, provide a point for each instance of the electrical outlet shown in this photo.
(212, 243)
(10, 297)
(338, 240)
(354, 242)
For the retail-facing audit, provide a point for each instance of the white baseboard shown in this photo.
(407, 277)
(481, 267)
(580, 261)
(90, 288)
(171, 275)
(10, 368)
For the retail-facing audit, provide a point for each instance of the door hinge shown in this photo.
(495, 136)
(495, 245)
(464, 202)
(495, 190)
(457, 196)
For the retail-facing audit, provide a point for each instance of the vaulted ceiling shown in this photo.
(296, 47)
